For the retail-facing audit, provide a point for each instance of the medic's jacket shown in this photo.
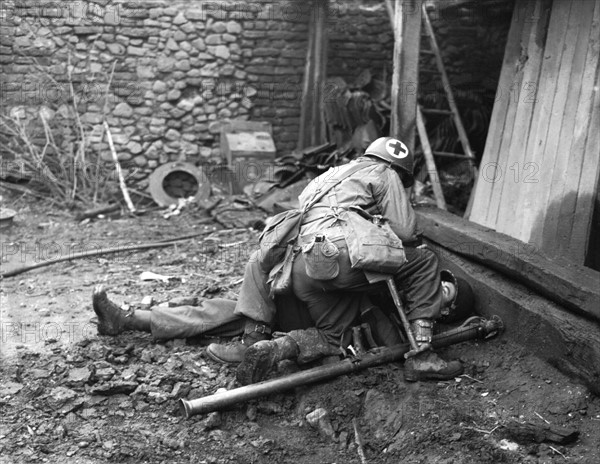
(377, 189)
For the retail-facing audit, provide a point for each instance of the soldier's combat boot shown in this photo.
(112, 320)
(427, 365)
(233, 352)
(261, 357)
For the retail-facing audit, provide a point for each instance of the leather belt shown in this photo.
(332, 233)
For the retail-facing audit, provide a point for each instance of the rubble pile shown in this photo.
(84, 402)
(114, 399)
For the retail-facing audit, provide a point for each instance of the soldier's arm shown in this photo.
(394, 202)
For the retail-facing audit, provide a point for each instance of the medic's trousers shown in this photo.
(335, 305)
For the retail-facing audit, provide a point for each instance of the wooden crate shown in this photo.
(249, 150)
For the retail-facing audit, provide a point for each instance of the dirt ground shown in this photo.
(68, 395)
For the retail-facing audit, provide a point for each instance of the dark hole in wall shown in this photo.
(592, 258)
(180, 184)
(561, 230)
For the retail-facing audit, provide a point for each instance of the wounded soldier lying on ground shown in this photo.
(356, 223)
(216, 317)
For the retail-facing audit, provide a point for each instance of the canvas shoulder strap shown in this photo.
(322, 191)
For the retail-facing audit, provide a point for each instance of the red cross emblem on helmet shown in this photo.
(394, 152)
(396, 148)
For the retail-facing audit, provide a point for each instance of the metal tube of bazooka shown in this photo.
(481, 329)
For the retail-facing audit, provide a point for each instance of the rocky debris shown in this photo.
(113, 388)
(96, 409)
(525, 433)
(384, 413)
(319, 419)
(212, 421)
(10, 389)
(147, 302)
(78, 377)
(59, 396)
(64, 404)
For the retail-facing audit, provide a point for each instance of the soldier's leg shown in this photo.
(213, 317)
(419, 278)
(255, 308)
(332, 309)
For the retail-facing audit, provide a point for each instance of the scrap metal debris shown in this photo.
(176, 208)
(147, 275)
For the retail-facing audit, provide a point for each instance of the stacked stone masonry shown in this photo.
(175, 69)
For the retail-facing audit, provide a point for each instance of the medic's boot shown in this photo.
(427, 365)
(261, 357)
(233, 352)
(112, 320)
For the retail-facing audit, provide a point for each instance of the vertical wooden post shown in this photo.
(405, 77)
(319, 134)
(434, 177)
(307, 85)
(397, 28)
(312, 116)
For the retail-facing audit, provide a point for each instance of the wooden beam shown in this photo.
(312, 129)
(397, 27)
(318, 133)
(434, 177)
(405, 76)
(390, 9)
(306, 101)
(568, 342)
(573, 287)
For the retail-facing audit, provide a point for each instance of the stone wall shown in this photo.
(178, 68)
(175, 69)
(360, 37)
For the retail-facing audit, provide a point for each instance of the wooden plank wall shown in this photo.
(539, 171)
